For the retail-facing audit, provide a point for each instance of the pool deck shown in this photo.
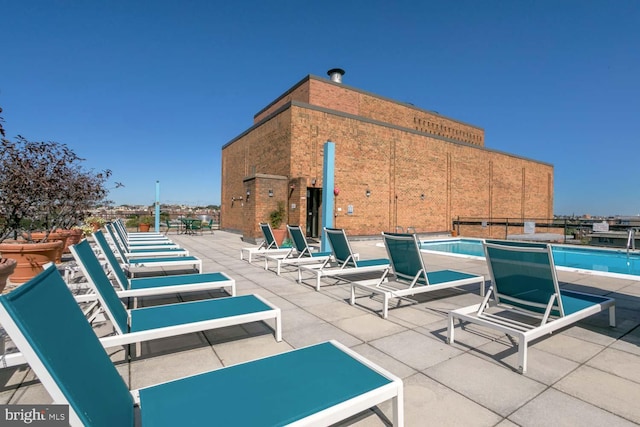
(587, 374)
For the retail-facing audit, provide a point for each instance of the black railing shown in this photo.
(565, 229)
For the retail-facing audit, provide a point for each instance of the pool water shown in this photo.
(596, 260)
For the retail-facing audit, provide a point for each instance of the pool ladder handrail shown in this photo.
(631, 240)
(410, 229)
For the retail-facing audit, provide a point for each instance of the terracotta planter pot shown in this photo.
(279, 234)
(30, 257)
(75, 235)
(7, 267)
(144, 227)
(55, 236)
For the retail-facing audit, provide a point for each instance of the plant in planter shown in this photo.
(43, 189)
(95, 222)
(132, 222)
(277, 218)
(87, 230)
(144, 224)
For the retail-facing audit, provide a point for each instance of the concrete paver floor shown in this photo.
(586, 374)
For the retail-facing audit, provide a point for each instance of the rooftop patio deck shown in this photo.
(588, 374)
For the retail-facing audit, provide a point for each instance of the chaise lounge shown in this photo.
(147, 249)
(411, 275)
(143, 324)
(145, 286)
(269, 246)
(300, 254)
(138, 264)
(344, 261)
(317, 385)
(524, 299)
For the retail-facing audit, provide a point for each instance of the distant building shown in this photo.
(631, 221)
(396, 165)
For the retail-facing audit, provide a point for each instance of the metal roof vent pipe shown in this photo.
(335, 74)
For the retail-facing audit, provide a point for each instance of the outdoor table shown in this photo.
(188, 223)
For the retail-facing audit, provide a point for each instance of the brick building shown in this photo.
(395, 165)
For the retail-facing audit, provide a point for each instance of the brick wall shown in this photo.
(264, 150)
(299, 92)
(325, 93)
(335, 96)
(266, 191)
(414, 178)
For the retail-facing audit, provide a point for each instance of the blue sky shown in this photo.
(153, 89)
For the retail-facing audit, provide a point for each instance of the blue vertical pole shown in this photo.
(157, 224)
(328, 184)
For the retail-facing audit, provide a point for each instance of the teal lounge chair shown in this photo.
(344, 262)
(269, 246)
(318, 385)
(179, 283)
(411, 275)
(300, 254)
(141, 237)
(138, 240)
(154, 322)
(146, 250)
(524, 282)
(135, 265)
(136, 236)
(115, 232)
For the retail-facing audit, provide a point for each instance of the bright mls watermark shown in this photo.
(36, 415)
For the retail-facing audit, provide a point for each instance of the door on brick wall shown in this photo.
(314, 201)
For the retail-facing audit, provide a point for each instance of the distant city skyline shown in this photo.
(153, 90)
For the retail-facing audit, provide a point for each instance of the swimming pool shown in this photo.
(608, 262)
